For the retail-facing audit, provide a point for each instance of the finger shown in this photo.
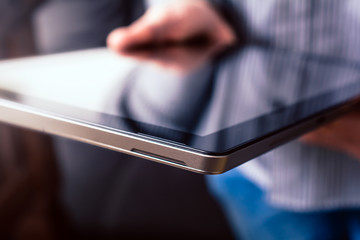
(124, 38)
(312, 138)
(148, 30)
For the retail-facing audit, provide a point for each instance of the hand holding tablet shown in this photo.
(173, 23)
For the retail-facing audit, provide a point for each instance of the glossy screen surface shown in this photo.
(215, 107)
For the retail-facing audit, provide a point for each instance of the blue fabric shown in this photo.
(251, 217)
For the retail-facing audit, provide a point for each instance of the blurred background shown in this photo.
(26, 157)
(16, 29)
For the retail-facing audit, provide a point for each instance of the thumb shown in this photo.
(123, 38)
(146, 30)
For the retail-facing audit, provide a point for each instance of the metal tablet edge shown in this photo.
(21, 116)
(283, 136)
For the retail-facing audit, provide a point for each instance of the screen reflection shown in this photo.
(234, 99)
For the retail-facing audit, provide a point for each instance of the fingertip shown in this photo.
(116, 40)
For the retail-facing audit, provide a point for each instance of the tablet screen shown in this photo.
(215, 106)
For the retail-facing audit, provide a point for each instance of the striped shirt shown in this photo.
(297, 176)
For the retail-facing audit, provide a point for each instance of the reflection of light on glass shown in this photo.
(162, 98)
(79, 78)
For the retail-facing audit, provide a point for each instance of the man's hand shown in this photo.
(174, 23)
(342, 134)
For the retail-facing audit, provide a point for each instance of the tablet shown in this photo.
(206, 118)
